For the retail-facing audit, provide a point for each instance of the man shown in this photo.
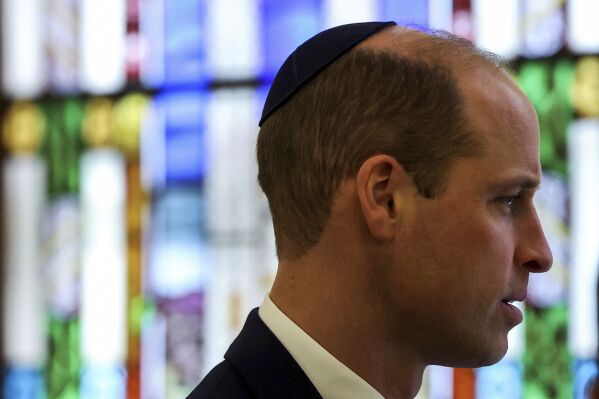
(400, 168)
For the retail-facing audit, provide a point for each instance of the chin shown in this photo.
(489, 361)
(478, 355)
(474, 361)
(492, 355)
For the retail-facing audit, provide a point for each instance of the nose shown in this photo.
(533, 251)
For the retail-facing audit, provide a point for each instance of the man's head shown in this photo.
(374, 99)
(422, 148)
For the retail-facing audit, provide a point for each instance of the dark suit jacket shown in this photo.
(256, 366)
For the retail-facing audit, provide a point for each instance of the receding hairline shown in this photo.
(461, 57)
(433, 47)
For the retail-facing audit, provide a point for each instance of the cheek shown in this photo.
(486, 252)
(464, 250)
(450, 250)
(475, 230)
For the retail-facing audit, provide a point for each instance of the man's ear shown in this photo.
(379, 182)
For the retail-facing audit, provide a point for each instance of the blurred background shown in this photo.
(135, 238)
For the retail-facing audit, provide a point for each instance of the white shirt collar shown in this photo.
(332, 379)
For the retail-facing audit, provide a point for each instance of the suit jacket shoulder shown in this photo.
(257, 366)
(223, 381)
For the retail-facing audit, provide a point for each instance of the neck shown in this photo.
(335, 303)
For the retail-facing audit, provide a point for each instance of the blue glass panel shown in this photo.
(22, 383)
(500, 381)
(103, 383)
(179, 257)
(405, 12)
(184, 47)
(585, 371)
(152, 29)
(286, 24)
(184, 133)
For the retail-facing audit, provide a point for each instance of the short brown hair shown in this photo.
(366, 103)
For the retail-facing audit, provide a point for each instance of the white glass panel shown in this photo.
(496, 26)
(440, 14)
(583, 26)
(102, 66)
(153, 358)
(440, 382)
(543, 27)
(583, 146)
(550, 289)
(223, 305)
(231, 132)
(22, 44)
(61, 263)
(24, 331)
(103, 304)
(340, 12)
(61, 41)
(516, 338)
(235, 289)
(233, 39)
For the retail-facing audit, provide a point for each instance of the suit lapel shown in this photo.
(265, 364)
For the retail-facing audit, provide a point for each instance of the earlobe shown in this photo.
(377, 183)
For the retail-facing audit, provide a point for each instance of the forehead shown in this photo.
(503, 120)
(413, 44)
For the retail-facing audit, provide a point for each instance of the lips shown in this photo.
(511, 311)
(519, 296)
(510, 301)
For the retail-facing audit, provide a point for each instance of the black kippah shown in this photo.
(312, 57)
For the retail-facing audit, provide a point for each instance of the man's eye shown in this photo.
(509, 201)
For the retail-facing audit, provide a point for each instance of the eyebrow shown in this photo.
(520, 182)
